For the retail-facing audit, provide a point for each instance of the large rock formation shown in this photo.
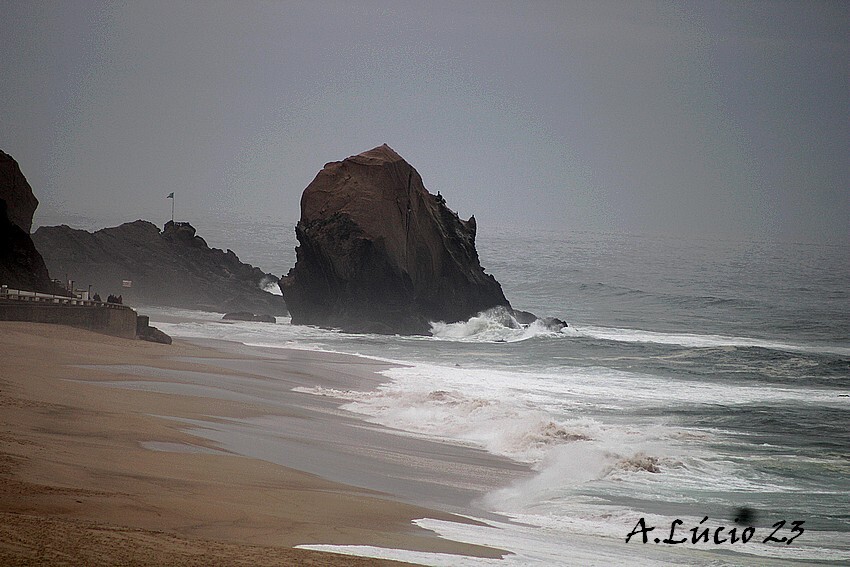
(379, 253)
(21, 266)
(172, 268)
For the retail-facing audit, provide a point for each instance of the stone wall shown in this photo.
(112, 320)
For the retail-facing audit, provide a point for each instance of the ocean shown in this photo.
(699, 381)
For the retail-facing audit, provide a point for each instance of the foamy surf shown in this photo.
(591, 434)
(538, 541)
(516, 431)
(581, 434)
(527, 544)
(699, 341)
(658, 403)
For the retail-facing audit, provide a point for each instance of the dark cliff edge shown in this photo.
(173, 267)
(379, 253)
(21, 266)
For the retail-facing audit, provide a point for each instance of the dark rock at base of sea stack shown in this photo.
(550, 323)
(173, 268)
(21, 266)
(378, 253)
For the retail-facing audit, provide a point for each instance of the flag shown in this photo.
(170, 196)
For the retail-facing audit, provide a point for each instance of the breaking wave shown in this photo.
(639, 462)
(500, 427)
(494, 325)
(500, 325)
(270, 285)
(697, 341)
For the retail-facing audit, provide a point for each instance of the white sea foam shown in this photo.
(596, 539)
(174, 314)
(537, 540)
(523, 415)
(519, 415)
(499, 325)
(201, 325)
(527, 544)
(553, 422)
(518, 432)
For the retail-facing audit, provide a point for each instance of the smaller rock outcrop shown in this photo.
(174, 267)
(145, 332)
(527, 318)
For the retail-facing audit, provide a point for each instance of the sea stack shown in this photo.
(379, 253)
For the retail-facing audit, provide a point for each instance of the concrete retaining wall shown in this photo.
(116, 321)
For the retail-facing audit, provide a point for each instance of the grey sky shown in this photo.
(705, 118)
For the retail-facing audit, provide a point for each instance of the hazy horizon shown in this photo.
(697, 119)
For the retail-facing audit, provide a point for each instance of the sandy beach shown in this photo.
(115, 451)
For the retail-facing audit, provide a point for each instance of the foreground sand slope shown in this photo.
(77, 486)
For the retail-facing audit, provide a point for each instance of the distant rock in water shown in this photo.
(248, 316)
(379, 253)
(173, 268)
(21, 266)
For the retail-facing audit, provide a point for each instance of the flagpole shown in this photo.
(171, 196)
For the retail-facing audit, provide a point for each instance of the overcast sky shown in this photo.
(721, 119)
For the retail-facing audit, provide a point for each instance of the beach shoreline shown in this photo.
(96, 472)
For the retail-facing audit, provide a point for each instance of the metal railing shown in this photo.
(33, 297)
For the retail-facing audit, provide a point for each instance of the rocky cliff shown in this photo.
(21, 266)
(378, 253)
(173, 267)
(16, 191)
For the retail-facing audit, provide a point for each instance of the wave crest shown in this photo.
(639, 462)
(497, 324)
(269, 284)
(499, 426)
(552, 432)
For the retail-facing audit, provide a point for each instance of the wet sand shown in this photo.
(115, 451)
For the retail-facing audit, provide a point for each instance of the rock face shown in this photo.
(172, 268)
(379, 253)
(16, 191)
(21, 266)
